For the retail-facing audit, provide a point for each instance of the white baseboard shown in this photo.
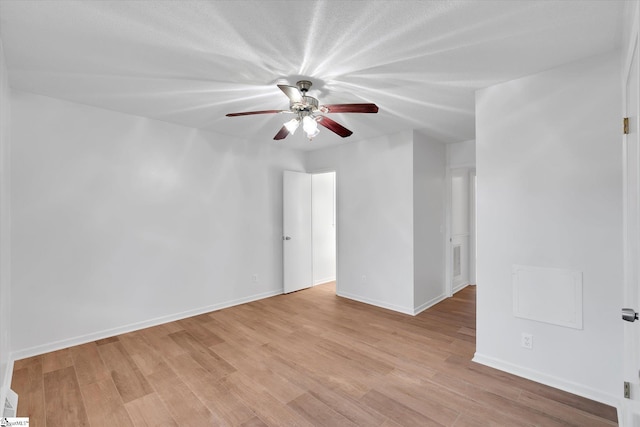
(70, 342)
(381, 304)
(325, 280)
(428, 304)
(459, 287)
(550, 380)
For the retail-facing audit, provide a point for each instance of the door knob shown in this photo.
(629, 314)
(286, 238)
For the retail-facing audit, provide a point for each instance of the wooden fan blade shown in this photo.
(292, 93)
(334, 126)
(352, 108)
(282, 133)
(250, 113)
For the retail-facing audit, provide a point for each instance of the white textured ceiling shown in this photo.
(191, 62)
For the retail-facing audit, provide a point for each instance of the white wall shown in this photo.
(324, 227)
(461, 154)
(6, 364)
(122, 221)
(429, 198)
(374, 188)
(549, 195)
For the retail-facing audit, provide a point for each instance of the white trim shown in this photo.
(419, 309)
(448, 261)
(381, 304)
(473, 175)
(460, 287)
(628, 55)
(8, 375)
(549, 380)
(324, 280)
(83, 339)
(627, 407)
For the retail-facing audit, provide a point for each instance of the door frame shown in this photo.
(448, 235)
(337, 215)
(629, 409)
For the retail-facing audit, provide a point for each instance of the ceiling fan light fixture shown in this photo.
(308, 111)
(313, 134)
(292, 125)
(310, 126)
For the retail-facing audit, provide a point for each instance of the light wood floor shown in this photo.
(307, 358)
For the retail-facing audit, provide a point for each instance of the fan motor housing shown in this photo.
(308, 103)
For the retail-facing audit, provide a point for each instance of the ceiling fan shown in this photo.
(308, 112)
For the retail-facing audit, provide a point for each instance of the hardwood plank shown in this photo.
(103, 404)
(129, 381)
(64, 403)
(559, 411)
(24, 363)
(504, 405)
(88, 364)
(348, 407)
(598, 409)
(214, 395)
(415, 396)
(28, 382)
(220, 401)
(57, 360)
(323, 367)
(230, 332)
(395, 410)
(390, 423)
(183, 405)
(267, 407)
(146, 357)
(209, 360)
(457, 400)
(339, 402)
(158, 338)
(254, 422)
(318, 413)
(267, 375)
(107, 340)
(200, 332)
(149, 411)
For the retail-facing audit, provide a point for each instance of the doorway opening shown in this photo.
(323, 224)
(461, 229)
(309, 230)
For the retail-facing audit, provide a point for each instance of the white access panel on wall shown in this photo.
(550, 295)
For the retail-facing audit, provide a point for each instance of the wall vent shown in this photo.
(10, 404)
(457, 266)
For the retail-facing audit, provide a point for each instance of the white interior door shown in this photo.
(631, 194)
(296, 239)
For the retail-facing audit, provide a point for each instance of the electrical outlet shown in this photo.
(364, 278)
(526, 341)
(254, 278)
